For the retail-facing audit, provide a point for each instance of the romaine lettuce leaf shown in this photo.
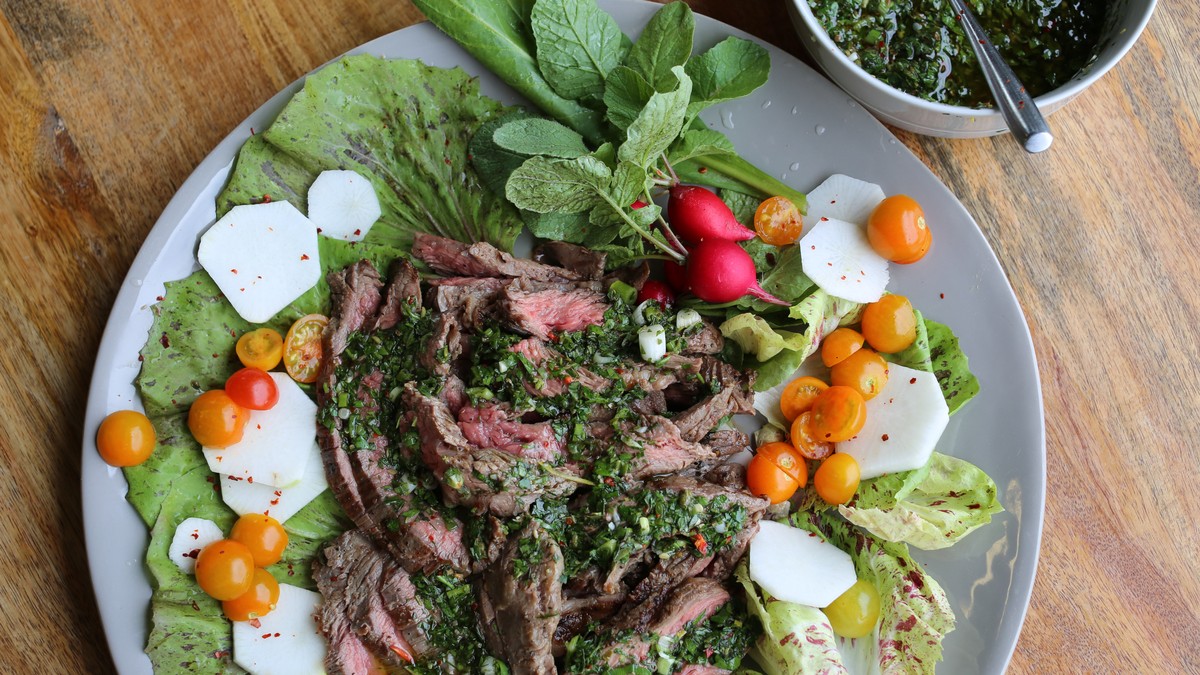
(948, 499)
(795, 639)
(403, 125)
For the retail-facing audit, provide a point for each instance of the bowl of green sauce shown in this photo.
(909, 61)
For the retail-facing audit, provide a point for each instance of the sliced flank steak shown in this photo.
(455, 258)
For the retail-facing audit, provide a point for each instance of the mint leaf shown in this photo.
(544, 185)
(537, 136)
(665, 42)
(493, 163)
(626, 92)
(657, 125)
(577, 45)
(730, 69)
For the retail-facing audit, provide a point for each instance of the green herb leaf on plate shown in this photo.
(577, 45)
(657, 125)
(537, 136)
(665, 42)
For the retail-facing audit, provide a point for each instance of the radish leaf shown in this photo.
(577, 45)
(665, 42)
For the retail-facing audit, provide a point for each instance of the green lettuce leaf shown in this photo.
(401, 124)
(795, 639)
(958, 383)
(916, 356)
(914, 613)
(757, 337)
(932, 509)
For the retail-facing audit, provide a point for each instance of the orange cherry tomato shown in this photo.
(865, 372)
(260, 348)
(799, 395)
(838, 414)
(776, 472)
(216, 421)
(839, 345)
(302, 348)
(778, 222)
(125, 438)
(897, 230)
(252, 388)
(889, 324)
(805, 442)
(263, 535)
(225, 569)
(259, 601)
(836, 480)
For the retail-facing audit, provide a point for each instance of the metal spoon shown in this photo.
(1021, 114)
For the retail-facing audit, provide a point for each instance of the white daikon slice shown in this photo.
(838, 258)
(262, 257)
(277, 444)
(904, 422)
(285, 641)
(343, 204)
(841, 197)
(797, 566)
(190, 538)
(280, 503)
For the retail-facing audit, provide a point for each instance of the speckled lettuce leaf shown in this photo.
(820, 313)
(403, 125)
(914, 613)
(795, 639)
(263, 172)
(950, 365)
(916, 356)
(190, 348)
(309, 529)
(948, 500)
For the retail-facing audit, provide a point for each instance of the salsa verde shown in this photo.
(919, 47)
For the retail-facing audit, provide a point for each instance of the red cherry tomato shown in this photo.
(252, 388)
(656, 290)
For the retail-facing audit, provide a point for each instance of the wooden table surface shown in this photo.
(106, 107)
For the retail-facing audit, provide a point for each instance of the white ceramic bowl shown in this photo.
(1123, 25)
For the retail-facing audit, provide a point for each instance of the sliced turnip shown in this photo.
(904, 423)
(343, 205)
(280, 503)
(262, 257)
(797, 566)
(841, 197)
(190, 538)
(836, 255)
(284, 642)
(277, 443)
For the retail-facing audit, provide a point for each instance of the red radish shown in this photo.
(698, 215)
(656, 290)
(676, 275)
(722, 271)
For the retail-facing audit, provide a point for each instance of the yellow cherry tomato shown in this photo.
(125, 438)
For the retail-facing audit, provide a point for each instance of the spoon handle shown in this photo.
(1020, 112)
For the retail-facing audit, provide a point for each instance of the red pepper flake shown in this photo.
(843, 277)
(942, 296)
(141, 358)
(912, 381)
(166, 343)
(267, 200)
(832, 201)
(250, 479)
(255, 622)
(258, 426)
(703, 169)
(234, 270)
(195, 534)
(883, 437)
(357, 232)
(304, 256)
(397, 649)
(242, 290)
(193, 554)
(568, 379)
(701, 543)
(251, 131)
(266, 635)
(195, 606)
(220, 654)
(216, 356)
(160, 298)
(318, 230)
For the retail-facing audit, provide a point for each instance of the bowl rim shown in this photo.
(1050, 100)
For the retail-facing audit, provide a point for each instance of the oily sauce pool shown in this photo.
(918, 46)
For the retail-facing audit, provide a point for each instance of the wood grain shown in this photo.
(105, 108)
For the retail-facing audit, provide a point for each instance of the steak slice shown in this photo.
(708, 340)
(664, 450)
(520, 600)
(455, 258)
(736, 398)
(404, 285)
(489, 426)
(693, 599)
(585, 262)
(709, 491)
(648, 596)
(545, 311)
(445, 346)
(728, 558)
(368, 601)
(473, 298)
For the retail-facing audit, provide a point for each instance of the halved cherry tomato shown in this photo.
(225, 569)
(839, 345)
(656, 290)
(776, 472)
(838, 414)
(260, 348)
(216, 421)
(778, 222)
(799, 395)
(125, 438)
(252, 388)
(805, 442)
(263, 535)
(854, 613)
(865, 372)
(889, 324)
(836, 480)
(302, 348)
(257, 602)
(897, 230)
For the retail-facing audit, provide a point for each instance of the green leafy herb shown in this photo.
(731, 69)
(536, 136)
(626, 92)
(665, 42)
(577, 45)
